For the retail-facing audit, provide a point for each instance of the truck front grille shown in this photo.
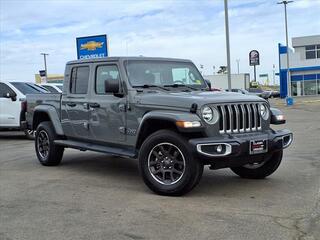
(237, 118)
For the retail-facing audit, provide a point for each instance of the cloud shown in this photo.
(185, 29)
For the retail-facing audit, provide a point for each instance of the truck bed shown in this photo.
(34, 100)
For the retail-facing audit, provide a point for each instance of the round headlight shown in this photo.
(210, 115)
(264, 111)
(207, 114)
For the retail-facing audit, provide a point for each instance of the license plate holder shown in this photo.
(258, 146)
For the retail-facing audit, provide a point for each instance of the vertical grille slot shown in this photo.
(220, 119)
(235, 118)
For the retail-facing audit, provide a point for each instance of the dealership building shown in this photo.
(304, 63)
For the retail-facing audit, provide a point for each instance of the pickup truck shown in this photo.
(161, 112)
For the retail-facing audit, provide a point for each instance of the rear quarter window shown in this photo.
(79, 80)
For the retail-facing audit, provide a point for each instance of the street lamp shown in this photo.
(288, 65)
(238, 65)
(226, 18)
(45, 63)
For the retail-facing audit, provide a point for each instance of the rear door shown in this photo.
(75, 112)
(9, 109)
(107, 111)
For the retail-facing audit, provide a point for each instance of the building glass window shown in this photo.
(297, 88)
(312, 51)
(310, 87)
(294, 90)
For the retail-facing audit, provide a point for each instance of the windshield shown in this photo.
(28, 88)
(163, 73)
(60, 87)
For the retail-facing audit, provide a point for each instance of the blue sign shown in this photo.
(92, 47)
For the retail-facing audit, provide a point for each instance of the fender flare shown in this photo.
(53, 115)
(171, 116)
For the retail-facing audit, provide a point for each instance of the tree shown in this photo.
(222, 70)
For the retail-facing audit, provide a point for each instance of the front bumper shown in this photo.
(236, 150)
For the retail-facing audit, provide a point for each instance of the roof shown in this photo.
(305, 41)
(107, 59)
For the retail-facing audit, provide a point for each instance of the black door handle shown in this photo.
(94, 105)
(71, 104)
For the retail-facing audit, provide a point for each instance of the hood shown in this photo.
(186, 99)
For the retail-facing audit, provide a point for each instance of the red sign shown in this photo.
(254, 58)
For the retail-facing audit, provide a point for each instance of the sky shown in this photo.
(191, 29)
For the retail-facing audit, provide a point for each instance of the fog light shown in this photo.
(287, 140)
(219, 149)
(214, 149)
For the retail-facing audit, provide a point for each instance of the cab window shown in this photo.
(105, 73)
(79, 80)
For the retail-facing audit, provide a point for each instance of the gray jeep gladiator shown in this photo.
(162, 112)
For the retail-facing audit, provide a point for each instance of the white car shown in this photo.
(53, 87)
(13, 105)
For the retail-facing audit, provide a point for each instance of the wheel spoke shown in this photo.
(177, 171)
(162, 150)
(175, 155)
(169, 149)
(156, 154)
(171, 176)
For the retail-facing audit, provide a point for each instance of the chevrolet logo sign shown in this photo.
(91, 45)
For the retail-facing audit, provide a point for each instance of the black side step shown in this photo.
(97, 148)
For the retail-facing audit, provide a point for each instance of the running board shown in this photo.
(97, 148)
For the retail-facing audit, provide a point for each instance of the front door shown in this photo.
(107, 111)
(75, 111)
(9, 108)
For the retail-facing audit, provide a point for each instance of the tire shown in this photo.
(30, 134)
(47, 152)
(261, 170)
(167, 165)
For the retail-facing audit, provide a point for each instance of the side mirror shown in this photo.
(11, 95)
(208, 83)
(112, 86)
(277, 117)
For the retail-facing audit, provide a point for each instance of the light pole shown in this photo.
(273, 74)
(238, 65)
(286, 27)
(226, 18)
(45, 63)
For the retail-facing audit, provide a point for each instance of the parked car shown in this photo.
(274, 93)
(160, 111)
(259, 92)
(53, 87)
(13, 105)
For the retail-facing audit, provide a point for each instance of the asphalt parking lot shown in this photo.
(93, 196)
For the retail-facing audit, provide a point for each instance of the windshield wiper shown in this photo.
(150, 86)
(175, 85)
